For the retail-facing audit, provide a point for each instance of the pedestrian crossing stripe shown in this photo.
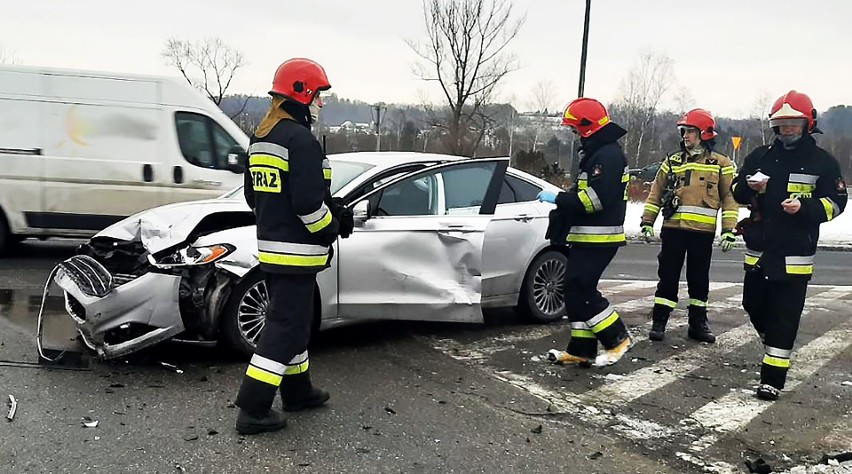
(706, 425)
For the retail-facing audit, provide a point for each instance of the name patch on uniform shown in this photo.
(266, 180)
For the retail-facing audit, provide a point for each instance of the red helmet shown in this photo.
(702, 120)
(299, 79)
(585, 115)
(793, 105)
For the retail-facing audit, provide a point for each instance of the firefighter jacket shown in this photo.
(702, 186)
(594, 207)
(286, 184)
(783, 245)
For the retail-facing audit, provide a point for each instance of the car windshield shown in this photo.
(343, 172)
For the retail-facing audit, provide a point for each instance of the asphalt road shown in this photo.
(425, 397)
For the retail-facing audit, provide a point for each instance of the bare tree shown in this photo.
(466, 55)
(7, 56)
(640, 96)
(541, 103)
(209, 65)
(683, 100)
(760, 112)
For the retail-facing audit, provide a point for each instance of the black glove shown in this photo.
(345, 219)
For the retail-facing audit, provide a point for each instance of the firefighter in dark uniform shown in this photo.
(690, 188)
(591, 216)
(287, 185)
(792, 186)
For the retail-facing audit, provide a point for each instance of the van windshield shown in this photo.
(342, 173)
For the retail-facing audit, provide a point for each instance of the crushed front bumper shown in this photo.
(116, 318)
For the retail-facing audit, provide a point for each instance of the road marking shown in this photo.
(735, 410)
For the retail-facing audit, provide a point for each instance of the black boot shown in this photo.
(660, 316)
(698, 329)
(248, 424)
(298, 393)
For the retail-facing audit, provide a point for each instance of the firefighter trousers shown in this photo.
(282, 349)
(697, 248)
(775, 309)
(592, 318)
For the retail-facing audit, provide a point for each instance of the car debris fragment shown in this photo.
(13, 407)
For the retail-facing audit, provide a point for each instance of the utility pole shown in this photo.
(585, 50)
(378, 108)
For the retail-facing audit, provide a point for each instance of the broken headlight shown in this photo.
(193, 256)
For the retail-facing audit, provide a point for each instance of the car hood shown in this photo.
(166, 226)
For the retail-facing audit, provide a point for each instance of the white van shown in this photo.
(81, 150)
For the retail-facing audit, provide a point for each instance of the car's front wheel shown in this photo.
(542, 295)
(245, 314)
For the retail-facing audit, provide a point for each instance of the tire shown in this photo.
(245, 314)
(542, 299)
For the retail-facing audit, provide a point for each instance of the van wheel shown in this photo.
(542, 296)
(245, 314)
(5, 235)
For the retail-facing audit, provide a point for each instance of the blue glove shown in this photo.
(727, 241)
(547, 196)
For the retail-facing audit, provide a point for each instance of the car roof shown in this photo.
(392, 158)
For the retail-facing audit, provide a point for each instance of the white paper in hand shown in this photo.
(757, 177)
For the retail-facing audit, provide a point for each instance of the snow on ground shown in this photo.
(836, 233)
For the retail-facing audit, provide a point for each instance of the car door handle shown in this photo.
(177, 174)
(523, 218)
(453, 228)
(147, 173)
(207, 182)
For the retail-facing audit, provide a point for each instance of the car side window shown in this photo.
(460, 189)
(202, 141)
(517, 190)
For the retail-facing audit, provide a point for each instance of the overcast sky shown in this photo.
(726, 53)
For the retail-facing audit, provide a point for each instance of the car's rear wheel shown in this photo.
(245, 314)
(542, 296)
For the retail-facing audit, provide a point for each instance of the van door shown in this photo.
(101, 151)
(201, 169)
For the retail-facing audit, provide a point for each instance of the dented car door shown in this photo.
(419, 254)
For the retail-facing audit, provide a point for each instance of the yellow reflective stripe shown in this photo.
(665, 302)
(587, 202)
(582, 184)
(751, 259)
(800, 188)
(695, 167)
(687, 216)
(269, 160)
(625, 178)
(612, 318)
(829, 207)
(776, 362)
(263, 376)
(293, 260)
(730, 214)
(583, 333)
(800, 269)
(729, 170)
(596, 238)
(651, 208)
(695, 302)
(298, 368)
(326, 172)
(320, 224)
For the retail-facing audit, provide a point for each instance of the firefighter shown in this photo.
(592, 216)
(287, 186)
(792, 186)
(690, 188)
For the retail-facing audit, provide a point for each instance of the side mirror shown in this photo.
(361, 212)
(237, 158)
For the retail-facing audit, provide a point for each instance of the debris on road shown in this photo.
(758, 466)
(847, 383)
(89, 423)
(13, 407)
(173, 367)
(390, 410)
(537, 429)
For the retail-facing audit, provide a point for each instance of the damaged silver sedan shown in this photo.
(437, 238)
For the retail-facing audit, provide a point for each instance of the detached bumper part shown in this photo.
(126, 318)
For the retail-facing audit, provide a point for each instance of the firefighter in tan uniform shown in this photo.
(690, 188)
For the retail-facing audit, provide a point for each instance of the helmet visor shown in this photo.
(788, 122)
(682, 129)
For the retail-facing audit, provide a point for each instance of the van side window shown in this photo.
(202, 141)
